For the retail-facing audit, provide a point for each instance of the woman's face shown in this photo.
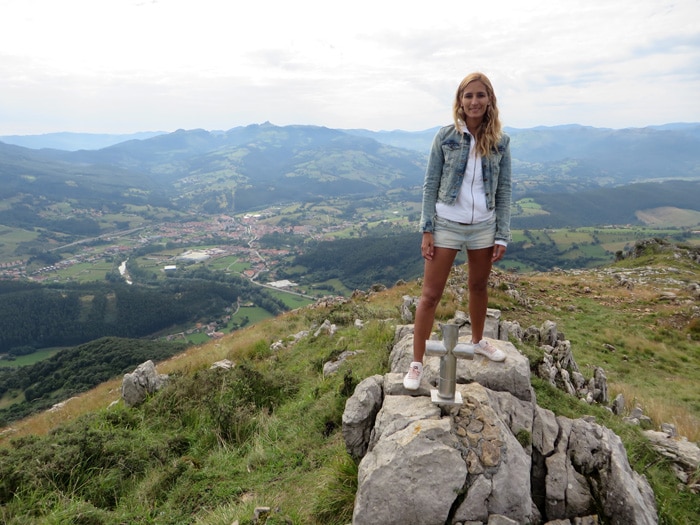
(475, 100)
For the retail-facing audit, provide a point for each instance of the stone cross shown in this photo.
(449, 350)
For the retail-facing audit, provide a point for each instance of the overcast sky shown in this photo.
(122, 66)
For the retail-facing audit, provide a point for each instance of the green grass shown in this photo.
(329, 287)
(527, 208)
(230, 264)
(647, 347)
(30, 359)
(214, 445)
(86, 271)
(209, 448)
(255, 314)
(11, 239)
(290, 300)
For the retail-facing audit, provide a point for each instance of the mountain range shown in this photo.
(253, 166)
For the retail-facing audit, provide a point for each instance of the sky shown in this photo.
(125, 66)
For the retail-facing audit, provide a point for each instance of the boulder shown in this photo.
(360, 413)
(413, 475)
(144, 380)
(496, 458)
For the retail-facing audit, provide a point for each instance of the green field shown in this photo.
(254, 314)
(527, 208)
(291, 301)
(32, 358)
(228, 264)
(11, 239)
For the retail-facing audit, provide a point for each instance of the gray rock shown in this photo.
(142, 382)
(398, 412)
(401, 354)
(497, 456)
(331, 367)
(326, 328)
(423, 454)
(669, 429)
(545, 431)
(360, 412)
(460, 318)
(625, 496)
(511, 375)
(684, 454)
(532, 335)
(618, 405)
(600, 386)
(224, 364)
(510, 330)
(408, 307)
(402, 331)
(496, 519)
(548, 333)
(505, 463)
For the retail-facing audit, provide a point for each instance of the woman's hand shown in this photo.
(498, 252)
(426, 246)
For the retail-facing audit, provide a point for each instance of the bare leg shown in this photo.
(436, 272)
(479, 271)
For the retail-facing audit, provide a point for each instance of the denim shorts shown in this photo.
(450, 234)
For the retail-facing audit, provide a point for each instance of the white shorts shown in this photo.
(458, 236)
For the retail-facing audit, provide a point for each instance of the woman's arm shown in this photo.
(431, 184)
(504, 193)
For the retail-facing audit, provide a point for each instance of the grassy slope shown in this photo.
(214, 445)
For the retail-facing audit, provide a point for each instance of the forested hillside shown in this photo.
(361, 262)
(75, 370)
(603, 206)
(33, 316)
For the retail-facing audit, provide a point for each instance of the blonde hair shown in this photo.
(489, 132)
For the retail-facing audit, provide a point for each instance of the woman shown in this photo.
(466, 205)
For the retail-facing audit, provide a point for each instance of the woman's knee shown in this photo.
(478, 285)
(430, 298)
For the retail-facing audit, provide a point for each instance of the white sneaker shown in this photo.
(411, 380)
(485, 348)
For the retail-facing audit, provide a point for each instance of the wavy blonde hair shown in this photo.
(489, 132)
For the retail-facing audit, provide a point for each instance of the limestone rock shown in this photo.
(423, 454)
(684, 454)
(144, 380)
(511, 375)
(510, 330)
(496, 458)
(360, 412)
(331, 367)
(326, 328)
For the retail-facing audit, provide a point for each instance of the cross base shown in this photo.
(455, 401)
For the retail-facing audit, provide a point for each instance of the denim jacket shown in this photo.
(445, 172)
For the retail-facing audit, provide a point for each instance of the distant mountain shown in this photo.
(253, 166)
(414, 140)
(198, 170)
(573, 157)
(74, 141)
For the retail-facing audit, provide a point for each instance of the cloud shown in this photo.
(120, 66)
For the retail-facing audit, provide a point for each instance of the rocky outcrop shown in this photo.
(144, 380)
(497, 458)
(683, 455)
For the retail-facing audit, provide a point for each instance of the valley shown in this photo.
(188, 236)
(260, 245)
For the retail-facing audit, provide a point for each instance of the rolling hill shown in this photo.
(578, 175)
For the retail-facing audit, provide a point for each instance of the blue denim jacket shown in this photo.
(445, 172)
